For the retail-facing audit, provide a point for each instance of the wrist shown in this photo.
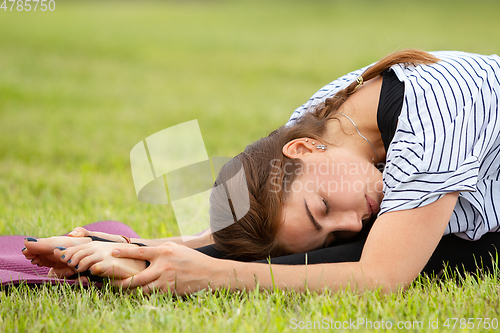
(225, 273)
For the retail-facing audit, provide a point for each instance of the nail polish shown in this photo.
(32, 260)
(69, 261)
(60, 248)
(31, 239)
(76, 267)
(63, 256)
(23, 249)
(90, 272)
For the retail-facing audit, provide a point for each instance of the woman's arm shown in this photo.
(398, 247)
(193, 241)
(396, 250)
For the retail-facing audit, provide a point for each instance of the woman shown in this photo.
(431, 117)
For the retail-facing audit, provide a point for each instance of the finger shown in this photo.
(51, 273)
(42, 261)
(113, 238)
(28, 254)
(31, 256)
(156, 286)
(83, 279)
(73, 256)
(79, 232)
(61, 273)
(150, 288)
(135, 252)
(143, 278)
(108, 270)
(82, 260)
(67, 254)
(87, 262)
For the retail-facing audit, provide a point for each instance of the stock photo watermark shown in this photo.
(172, 166)
(451, 324)
(28, 5)
(326, 177)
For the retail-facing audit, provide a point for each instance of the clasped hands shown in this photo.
(173, 267)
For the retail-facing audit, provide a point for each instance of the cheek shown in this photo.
(342, 184)
(376, 183)
(378, 186)
(296, 241)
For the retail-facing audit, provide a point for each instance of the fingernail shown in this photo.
(90, 272)
(68, 273)
(115, 253)
(72, 233)
(69, 261)
(31, 239)
(23, 249)
(60, 248)
(76, 267)
(32, 260)
(63, 256)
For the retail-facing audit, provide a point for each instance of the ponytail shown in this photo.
(411, 56)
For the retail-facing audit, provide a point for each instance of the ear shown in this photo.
(298, 148)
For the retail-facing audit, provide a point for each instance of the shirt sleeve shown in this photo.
(326, 92)
(448, 134)
(415, 177)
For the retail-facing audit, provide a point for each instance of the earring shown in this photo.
(321, 147)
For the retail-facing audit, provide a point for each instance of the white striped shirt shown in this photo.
(447, 139)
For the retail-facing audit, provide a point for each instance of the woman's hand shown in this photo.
(82, 232)
(174, 267)
(96, 257)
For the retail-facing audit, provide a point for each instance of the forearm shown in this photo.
(191, 242)
(338, 276)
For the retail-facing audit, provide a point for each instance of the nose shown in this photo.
(345, 221)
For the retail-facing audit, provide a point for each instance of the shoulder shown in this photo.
(449, 99)
(455, 68)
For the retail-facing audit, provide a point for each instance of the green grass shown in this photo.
(80, 86)
(62, 308)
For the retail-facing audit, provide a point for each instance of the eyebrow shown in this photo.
(311, 217)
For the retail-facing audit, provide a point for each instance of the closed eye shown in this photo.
(326, 205)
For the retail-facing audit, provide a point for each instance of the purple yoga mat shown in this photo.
(15, 268)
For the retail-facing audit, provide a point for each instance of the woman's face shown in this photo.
(333, 196)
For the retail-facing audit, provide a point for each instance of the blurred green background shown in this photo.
(81, 85)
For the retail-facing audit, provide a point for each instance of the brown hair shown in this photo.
(267, 170)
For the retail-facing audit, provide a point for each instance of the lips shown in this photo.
(373, 207)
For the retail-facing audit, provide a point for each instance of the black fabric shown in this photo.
(458, 254)
(389, 106)
(99, 239)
